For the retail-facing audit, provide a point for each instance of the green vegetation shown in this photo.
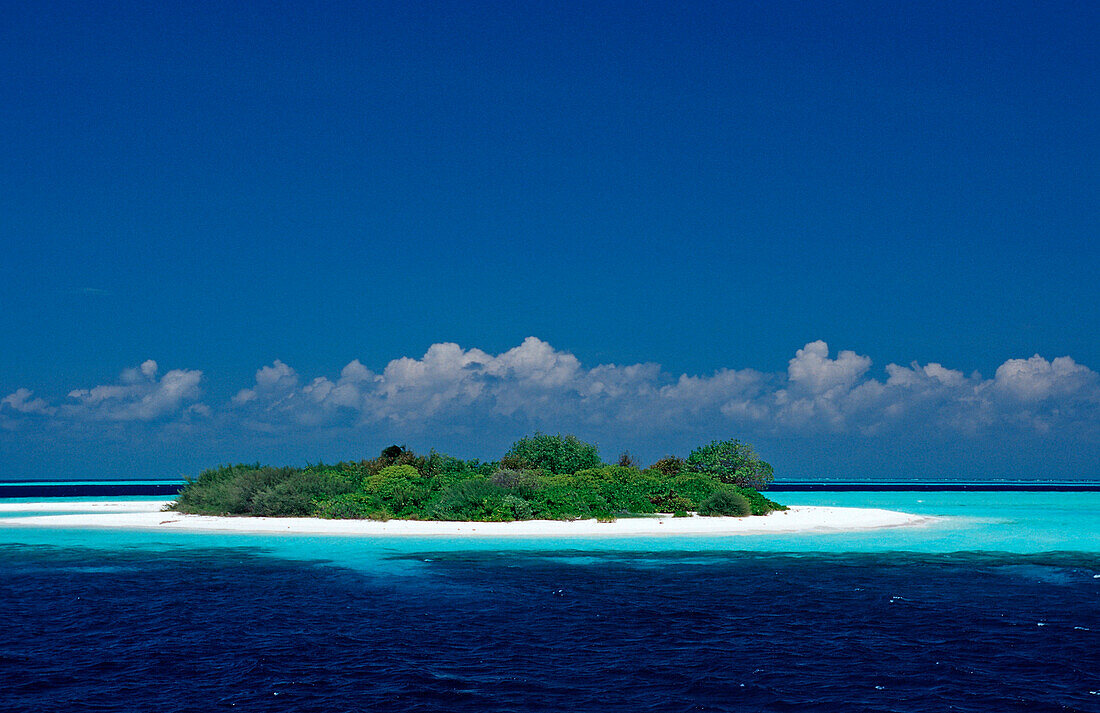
(556, 454)
(731, 462)
(725, 501)
(541, 477)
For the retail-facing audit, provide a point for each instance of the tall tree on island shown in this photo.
(732, 462)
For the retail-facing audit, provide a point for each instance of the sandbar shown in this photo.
(148, 515)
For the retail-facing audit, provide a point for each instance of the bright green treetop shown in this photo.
(556, 454)
(731, 462)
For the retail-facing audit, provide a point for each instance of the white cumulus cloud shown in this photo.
(1036, 379)
(549, 388)
(139, 395)
(534, 385)
(22, 401)
(813, 372)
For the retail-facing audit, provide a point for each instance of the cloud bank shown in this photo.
(538, 386)
(139, 395)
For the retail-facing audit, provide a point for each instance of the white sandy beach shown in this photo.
(147, 515)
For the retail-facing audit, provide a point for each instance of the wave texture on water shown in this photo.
(199, 630)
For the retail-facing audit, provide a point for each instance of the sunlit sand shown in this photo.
(148, 515)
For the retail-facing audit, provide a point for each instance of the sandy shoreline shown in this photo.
(147, 515)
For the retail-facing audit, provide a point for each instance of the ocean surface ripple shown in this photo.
(235, 628)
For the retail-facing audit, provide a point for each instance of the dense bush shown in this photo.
(725, 501)
(555, 454)
(760, 505)
(693, 486)
(256, 490)
(731, 462)
(516, 507)
(472, 500)
(227, 490)
(391, 478)
(392, 455)
(541, 477)
(353, 506)
(621, 490)
(668, 466)
(442, 481)
(670, 501)
(520, 482)
(558, 500)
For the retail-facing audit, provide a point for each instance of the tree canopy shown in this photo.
(732, 462)
(540, 477)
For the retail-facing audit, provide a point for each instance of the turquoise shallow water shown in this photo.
(991, 609)
(1008, 522)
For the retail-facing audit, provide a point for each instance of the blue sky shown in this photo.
(706, 189)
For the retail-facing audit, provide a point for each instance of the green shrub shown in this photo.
(615, 489)
(668, 466)
(469, 500)
(282, 501)
(227, 490)
(517, 508)
(760, 505)
(356, 506)
(624, 474)
(396, 455)
(518, 482)
(408, 500)
(255, 490)
(296, 495)
(486, 468)
(437, 463)
(387, 480)
(725, 501)
(442, 481)
(694, 487)
(554, 454)
(557, 500)
(671, 502)
(731, 462)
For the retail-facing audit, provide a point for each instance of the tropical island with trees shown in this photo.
(541, 477)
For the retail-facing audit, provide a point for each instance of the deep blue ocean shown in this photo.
(96, 621)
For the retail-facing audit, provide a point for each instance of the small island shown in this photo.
(544, 486)
(541, 477)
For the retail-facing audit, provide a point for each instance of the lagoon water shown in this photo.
(996, 607)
